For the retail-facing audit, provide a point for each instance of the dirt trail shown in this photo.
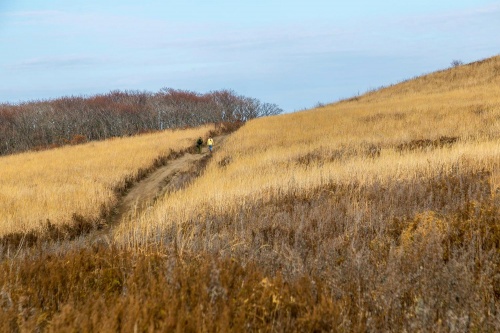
(169, 177)
(144, 193)
(177, 173)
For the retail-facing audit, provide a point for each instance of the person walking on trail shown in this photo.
(210, 143)
(199, 143)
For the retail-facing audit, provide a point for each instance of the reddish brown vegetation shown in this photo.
(300, 262)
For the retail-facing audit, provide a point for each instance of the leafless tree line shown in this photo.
(72, 120)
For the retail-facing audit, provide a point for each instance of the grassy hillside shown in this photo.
(378, 213)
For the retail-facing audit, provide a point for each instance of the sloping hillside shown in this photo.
(387, 137)
(378, 213)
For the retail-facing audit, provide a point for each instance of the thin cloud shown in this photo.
(41, 17)
(453, 19)
(78, 21)
(62, 62)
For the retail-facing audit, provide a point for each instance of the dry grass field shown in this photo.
(380, 213)
(56, 184)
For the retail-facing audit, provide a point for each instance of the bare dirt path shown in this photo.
(170, 177)
(144, 193)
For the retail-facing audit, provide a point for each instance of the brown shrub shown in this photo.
(423, 144)
(78, 139)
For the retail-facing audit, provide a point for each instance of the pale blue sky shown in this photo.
(292, 53)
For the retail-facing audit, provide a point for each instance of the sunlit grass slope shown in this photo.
(408, 132)
(55, 184)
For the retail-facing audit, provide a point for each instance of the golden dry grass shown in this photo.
(352, 142)
(55, 184)
(378, 214)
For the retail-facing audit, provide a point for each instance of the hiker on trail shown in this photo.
(199, 143)
(210, 143)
